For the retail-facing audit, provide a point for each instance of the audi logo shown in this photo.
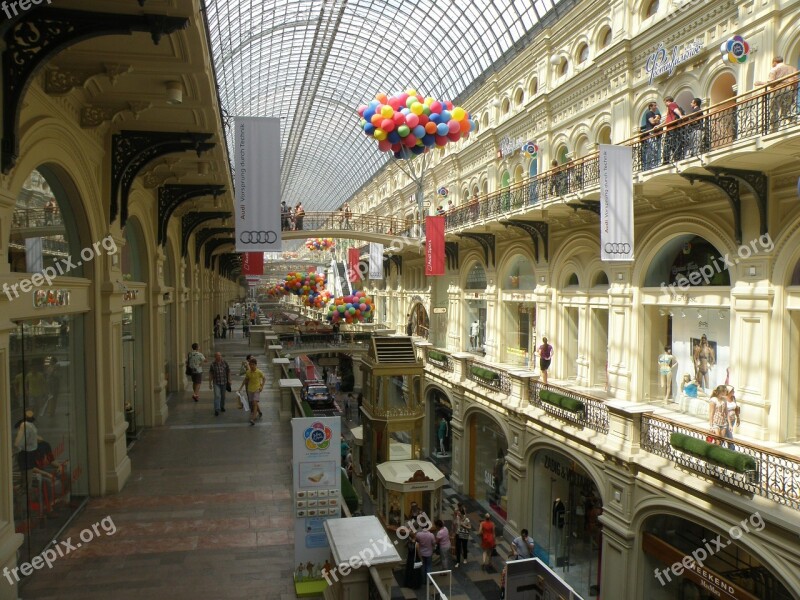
(617, 248)
(258, 237)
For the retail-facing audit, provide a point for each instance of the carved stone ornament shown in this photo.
(418, 477)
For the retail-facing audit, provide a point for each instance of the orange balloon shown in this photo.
(430, 127)
(463, 126)
(382, 98)
(376, 119)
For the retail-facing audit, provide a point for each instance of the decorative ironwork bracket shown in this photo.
(131, 151)
(537, 230)
(40, 35)
(451, 252)
(230, 264)
(585, 205)
(190, 222)
(171, 196)
(730, 187)
(387, 264)
(757, 182)
(206, 234)
(486, 240)
(214, 244)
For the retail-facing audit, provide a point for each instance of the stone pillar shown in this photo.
(457, 441)
(518, 504)
(625, 364)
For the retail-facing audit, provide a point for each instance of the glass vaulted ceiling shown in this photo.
(313, 62)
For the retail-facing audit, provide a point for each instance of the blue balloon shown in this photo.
(441, 129)
(418, 149)
(373, 105)
(368, 114)
(369, 128)
(394, 137)
(429, 139)
(405, 111)
(445, 116)
(419, 131)
(435, 117)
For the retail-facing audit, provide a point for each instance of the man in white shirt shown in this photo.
(783, 101)
(522, 546)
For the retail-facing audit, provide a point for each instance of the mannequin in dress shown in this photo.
(666, 369)
(474, 333)
(704, 360)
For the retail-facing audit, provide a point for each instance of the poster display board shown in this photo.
(531, 579)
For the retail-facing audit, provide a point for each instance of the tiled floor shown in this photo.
(206, 514)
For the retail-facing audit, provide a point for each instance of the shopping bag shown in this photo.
(243, 400)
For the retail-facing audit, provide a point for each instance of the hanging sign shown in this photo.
(660, 61)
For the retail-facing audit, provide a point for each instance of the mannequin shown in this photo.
(474, 332)
(667, 364)
(442, 433)
(704, 360)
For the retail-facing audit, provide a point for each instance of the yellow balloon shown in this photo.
(458, 113)
(379, 134)
(428, 101)
(411, 92)
(417, 108)
(387, 112)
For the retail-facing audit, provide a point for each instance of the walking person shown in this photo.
(486, 531)
(463, 532)
(254, 379)
(219, 380)
(412, 578)
(224, 325)
(718, 413)
(732, 409)
(194, 368)
(545, 352)
(425, 544)
(443, 543)
(522, 546)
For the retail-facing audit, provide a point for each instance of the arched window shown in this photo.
(687, 260)
(563, 66)
(582, 55)
(485, 120)
(604, 135)
(573, 280)
(476, 278)
(519, 97)
(601, 280)
(533, 88)
(605, 37)
(652, 8)
(561, 154)
(505, 107)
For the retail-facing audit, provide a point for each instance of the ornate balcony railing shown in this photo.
(390, 412)
(36, 217)
(594, 414)
(314, 340)
(490, 377)
(440, 360)
(776, 476)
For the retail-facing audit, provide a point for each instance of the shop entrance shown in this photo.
(487, 465)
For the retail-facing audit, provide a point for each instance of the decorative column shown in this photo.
(518, 505)
(158, 308)
(625, 363)
(457, 474)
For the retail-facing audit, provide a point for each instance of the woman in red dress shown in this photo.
(487, 540)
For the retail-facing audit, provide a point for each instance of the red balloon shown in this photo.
(388, 125)
(448, 104)
(453, 126)
(441, 140)
(403, 98)
(397, 147)
(454, 137)
(420, 99)
(423, 119)
(381, 98)
(410, 140)
(399, 118)
(412, 120)
(361, 110)
(394, 102)
(436, 106)
(384, 145)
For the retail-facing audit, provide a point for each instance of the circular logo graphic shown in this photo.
(617, 248)
(318, 437)
(530, 149)
(258, 237)
(443, 191)
(735, 50)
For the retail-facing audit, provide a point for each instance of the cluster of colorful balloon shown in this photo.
(301, 284)
(355, 308)
(408, 124)
(317, 298)
(276, 291)
(322, 244)
(530, 149)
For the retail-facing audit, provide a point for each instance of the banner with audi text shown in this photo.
(257, 162)
(353, 274)
(252, 263)
(375, 261)
(434, 245)
(616, 203)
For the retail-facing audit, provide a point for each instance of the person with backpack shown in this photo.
(194, 369)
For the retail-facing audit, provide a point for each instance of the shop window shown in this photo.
(520, 275)
(43, 232)
(582, 55)
(687, 260)
(476, 278)
(49, 437)
(652, 8)
(488, 473)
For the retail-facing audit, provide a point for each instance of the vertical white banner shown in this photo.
(616, 203)
(257, 161)
(375, 261)
(316, 461)
(34, 255)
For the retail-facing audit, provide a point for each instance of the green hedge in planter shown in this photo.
(349, 494)
(484, 373)
(307, 410)
(565, 402)
(713, 453)
(437, 356)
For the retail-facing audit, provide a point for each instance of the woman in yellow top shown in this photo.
(254, 378)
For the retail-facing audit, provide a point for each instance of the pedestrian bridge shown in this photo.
(391, 232)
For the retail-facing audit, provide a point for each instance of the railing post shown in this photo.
(625, 425)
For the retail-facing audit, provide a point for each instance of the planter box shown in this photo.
(561, 401)
(714, 453)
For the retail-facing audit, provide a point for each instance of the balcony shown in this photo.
(440, 360)
(579, 409)
(489, 377)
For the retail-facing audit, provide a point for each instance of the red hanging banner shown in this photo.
(252, 263)
(353, 274)
(434, 245)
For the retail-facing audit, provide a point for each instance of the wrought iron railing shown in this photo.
(36, 217)
(594, 414)
(776, 477)
(362, 222)
(499, 382)
(394, 411)
(444, 363)
(312, 340)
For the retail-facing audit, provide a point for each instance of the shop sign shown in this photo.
(419, 487)
(328, 361)
(439, 310)
(718, 586)
(130, 295)
(566, 472)
(50, 298)
(660, 61)
(509, 146)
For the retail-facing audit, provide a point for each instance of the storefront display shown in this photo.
(488, 465)
(48, 410)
